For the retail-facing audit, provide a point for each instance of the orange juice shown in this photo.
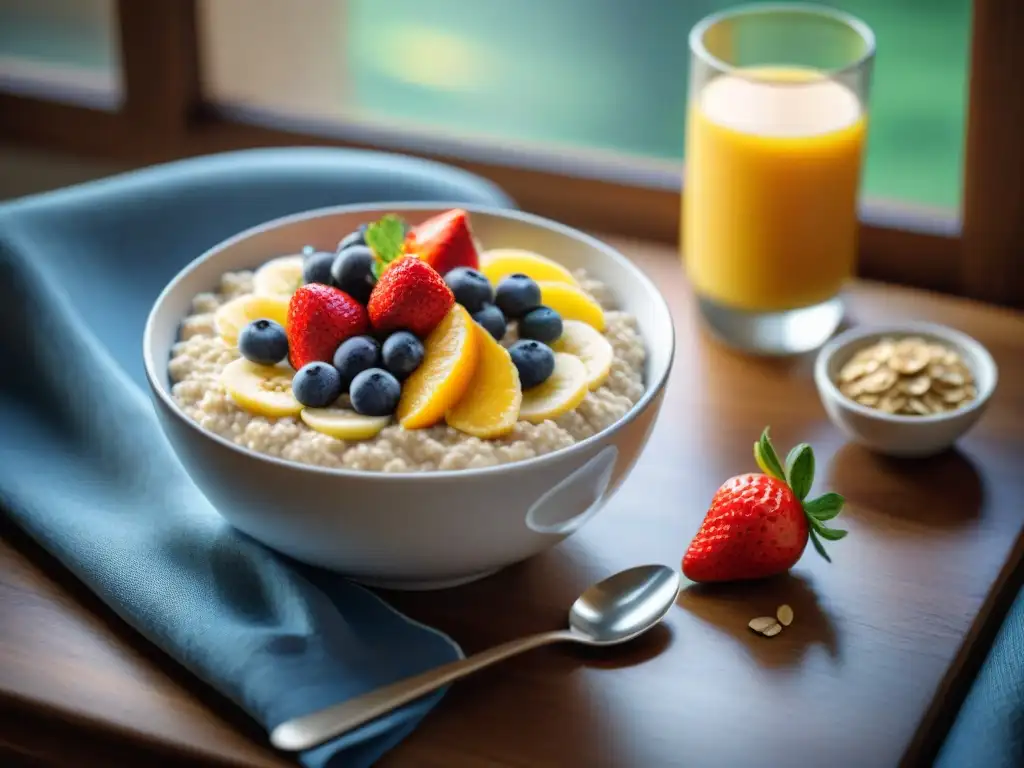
(773, 161)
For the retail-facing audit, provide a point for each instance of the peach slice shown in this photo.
(502, 262)
(490, 406)
(572, 303)
(449, 362)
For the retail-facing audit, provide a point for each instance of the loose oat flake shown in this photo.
(773, 630)
(910, 377)
(784, 614)
(762, 623)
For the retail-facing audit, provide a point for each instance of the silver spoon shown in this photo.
(615, 610)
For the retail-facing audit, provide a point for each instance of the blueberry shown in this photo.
(352, 272)
(535, 362)
(375, 392)
(541, 324)
(472, 290)
(493, 321)
(353, 238)
(263, 341)
(354, 356)
(516, 295)
(402, 354)
(316, 267)
(317, 385)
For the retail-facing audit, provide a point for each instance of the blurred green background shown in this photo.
(606, 75)
(611, 75)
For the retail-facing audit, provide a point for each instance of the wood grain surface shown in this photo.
(884, 642)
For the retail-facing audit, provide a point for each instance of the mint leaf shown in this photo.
(818, 546)
(825, 507)
(800, 470)
(767, 459)
(385, 238)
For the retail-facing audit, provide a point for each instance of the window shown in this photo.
(575, 107)
(596, 86)
(64, 50)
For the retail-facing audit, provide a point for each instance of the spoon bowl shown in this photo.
(625, 605)
(612, 611)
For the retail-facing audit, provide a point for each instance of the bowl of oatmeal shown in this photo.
(412, 396)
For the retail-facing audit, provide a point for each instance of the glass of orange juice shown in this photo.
(776, 127)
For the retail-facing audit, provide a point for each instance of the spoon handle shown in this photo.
(308, 731)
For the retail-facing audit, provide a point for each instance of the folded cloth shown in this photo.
(86, 471)
(989, 730)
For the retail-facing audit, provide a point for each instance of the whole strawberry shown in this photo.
(409, 294)
(320, 317)
(758, 524)
(444, 241)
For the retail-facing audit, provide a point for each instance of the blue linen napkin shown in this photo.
(87, 472)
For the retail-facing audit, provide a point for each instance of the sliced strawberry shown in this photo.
(320, 317)
(410, 294)
(444, 241)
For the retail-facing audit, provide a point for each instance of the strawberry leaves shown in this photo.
(825, 507)
(800, 470)
(799, 476)
(386, 236)
(767, 459)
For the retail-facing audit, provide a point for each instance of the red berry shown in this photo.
(410, 295)
(758, 525)
(320, 317)
(444, 241)
(755, 528)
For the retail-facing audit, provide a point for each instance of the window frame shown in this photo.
(977, 254)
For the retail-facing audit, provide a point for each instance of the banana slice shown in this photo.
(234, 315)
(588, 345)
(343, 423)
(279, 277)
(564, 389)
(261, 389)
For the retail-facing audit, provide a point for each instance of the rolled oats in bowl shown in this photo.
(408, 350)
(909, 376)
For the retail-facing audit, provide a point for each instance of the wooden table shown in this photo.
(884, 643)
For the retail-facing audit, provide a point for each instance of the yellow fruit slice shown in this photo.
(563, 391)
(449, 360)
(261, 389)
(572, 303)
(588, 345)
(343, 423)
(233, 316)
(502, 262)
(490, 406)
(279, 277)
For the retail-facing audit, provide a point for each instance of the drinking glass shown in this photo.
(776, 128)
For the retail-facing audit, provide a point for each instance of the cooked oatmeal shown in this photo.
(200, 356)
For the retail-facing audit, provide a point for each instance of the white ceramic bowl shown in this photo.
(898, 435)
(414, 530)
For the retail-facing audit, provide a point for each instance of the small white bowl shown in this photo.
(411, 530)
(893, 434)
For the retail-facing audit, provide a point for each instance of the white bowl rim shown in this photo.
(650, 392)
(844, 340)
